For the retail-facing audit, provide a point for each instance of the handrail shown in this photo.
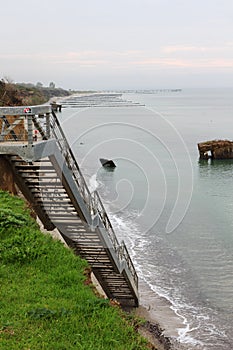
(58, 134)
(20, 126)
(20, 110)
(93, 201)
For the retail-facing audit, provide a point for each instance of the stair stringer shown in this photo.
(51, 150)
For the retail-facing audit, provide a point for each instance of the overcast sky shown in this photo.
(121, 44)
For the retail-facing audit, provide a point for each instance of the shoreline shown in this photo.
(152, 329)
(162, 323)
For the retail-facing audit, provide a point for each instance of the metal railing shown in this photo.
(13, 128)
(92, 200)
(30, 120)
(20, 123)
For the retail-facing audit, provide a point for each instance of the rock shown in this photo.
(108, 163)
(216, 149)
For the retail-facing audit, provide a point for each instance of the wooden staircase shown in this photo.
(53, 183)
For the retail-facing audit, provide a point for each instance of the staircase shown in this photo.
(48, 175)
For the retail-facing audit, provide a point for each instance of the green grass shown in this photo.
(44, 302)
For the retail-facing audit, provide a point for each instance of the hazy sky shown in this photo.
(106, 44)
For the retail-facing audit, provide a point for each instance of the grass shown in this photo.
(44, 301)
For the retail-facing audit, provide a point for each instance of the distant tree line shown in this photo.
(19, 94)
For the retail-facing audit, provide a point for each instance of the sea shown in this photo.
(173, 210)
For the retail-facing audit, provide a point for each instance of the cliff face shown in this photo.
(22, 95)
(6, 177)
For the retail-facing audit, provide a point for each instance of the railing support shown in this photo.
(30, 129)
(93, 201)
(97, 217)
(48, 125)
(1, 135)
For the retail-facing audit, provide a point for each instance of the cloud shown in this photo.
(170, 49)
(83, 58)
(183, 48)
(28, 56)
(185, 63)
(166, 57)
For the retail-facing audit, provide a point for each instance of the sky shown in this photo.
(121, 44)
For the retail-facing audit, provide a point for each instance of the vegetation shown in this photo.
(9, 94)
(27, 94)
(45, 302)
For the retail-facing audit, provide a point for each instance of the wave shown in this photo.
(127, 229)
(194, 322)
(93, 183)
(130, 231)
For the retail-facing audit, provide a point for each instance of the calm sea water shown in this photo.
(174, 212)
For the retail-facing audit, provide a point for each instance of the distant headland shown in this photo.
(22, 94)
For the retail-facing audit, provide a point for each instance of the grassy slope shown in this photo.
(44, 302)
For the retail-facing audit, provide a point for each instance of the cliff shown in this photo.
(27, 94)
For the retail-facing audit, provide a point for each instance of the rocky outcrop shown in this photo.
(6, 177)
(216, 149)
(107, 163)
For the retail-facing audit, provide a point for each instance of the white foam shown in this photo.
(127, 228)
(201, 320)
(130, 231)
(184, 336)
(93, 183)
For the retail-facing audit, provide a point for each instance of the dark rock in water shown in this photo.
(216, 149)
(108, 163)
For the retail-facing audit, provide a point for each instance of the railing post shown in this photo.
(92, 200)
(48, 125)
(30, 129)
(2, 130)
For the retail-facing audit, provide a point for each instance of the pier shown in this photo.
(34, 146)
